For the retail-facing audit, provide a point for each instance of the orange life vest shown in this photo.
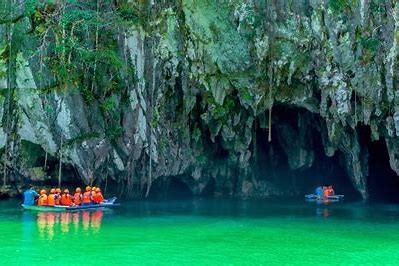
(86, 197)
(326, 192)
(66, 200)
(98, 197)
(77, 198)
(51, 200)
(42, 200)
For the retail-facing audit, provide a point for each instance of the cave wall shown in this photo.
(205, 75)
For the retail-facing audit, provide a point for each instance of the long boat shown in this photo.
(109, 203)
(313, 197)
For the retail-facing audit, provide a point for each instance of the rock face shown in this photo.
(200, 78)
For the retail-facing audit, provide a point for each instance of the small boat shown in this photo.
(313, 197)
(109, 203)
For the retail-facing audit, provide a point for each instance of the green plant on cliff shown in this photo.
(10, 21)
(86, 51)
(339, 6)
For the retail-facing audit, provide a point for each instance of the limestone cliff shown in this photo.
(193, 88)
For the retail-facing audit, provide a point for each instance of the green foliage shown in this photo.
(370, 48)
(340, 6)
(108, 105)
(155, 119)
(129, 12)
(115, 132)
(370, 44)
(202, 159)
(196, 135)
(377, 6)
(84, 51)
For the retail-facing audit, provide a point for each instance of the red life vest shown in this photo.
(86, 197)
(98, 197)
(66, 200)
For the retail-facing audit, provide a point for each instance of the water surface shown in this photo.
(203, 232)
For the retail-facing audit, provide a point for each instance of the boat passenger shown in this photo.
(29, 196)
(57, 196)
(42, 198)
(93, 193)
(51, 197)
(331, 191)
(77, 197)
(98, 197)
(66, 198)
(86, 200)
(325, 192)
(319, 192)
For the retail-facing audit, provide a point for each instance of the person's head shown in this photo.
(52, 191)
(93, 189)
(98, 189)
(43, 191)
(58, 190)
(66, 191)
(78, 190)
(88, 188)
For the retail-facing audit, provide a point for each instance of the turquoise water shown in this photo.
(203, 232)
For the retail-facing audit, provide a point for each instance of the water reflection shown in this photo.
(322, 212)
(51, 223)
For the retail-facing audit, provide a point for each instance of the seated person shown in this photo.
(29, 196)
(66, 198)
(77, 197)
(319, 192)
(86, 199)
(331, 191)
(98, 197)
(42, 201)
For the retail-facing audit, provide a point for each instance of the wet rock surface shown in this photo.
(196, 104)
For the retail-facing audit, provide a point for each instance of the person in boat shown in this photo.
(98, 197)
(57, 196)
(42, 201)
(29, 196)
(325, 192)
(331, 191)
(87, 199)
(66, 198)
(93, 191)
(51, 197)
(77, 197)
(319, 192)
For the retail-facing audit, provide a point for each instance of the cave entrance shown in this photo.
(209, 189)
(272, 161)
(170, 188)
(382, 182)
(177, 189)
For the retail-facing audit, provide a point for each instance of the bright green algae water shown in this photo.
(203, 232)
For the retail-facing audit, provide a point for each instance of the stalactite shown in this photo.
(60, 162)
